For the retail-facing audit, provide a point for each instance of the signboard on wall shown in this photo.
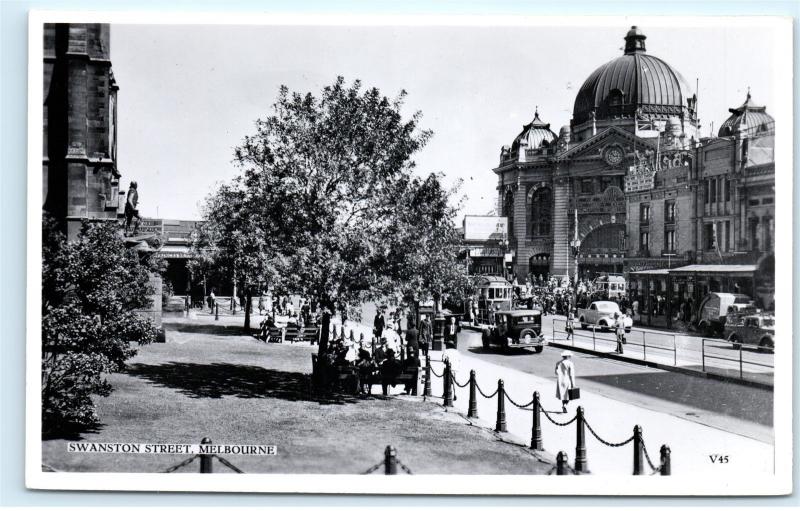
(639, 181)
(486, 252)
(485, 228)
(151, 226)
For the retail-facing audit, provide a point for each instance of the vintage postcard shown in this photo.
(410, 255)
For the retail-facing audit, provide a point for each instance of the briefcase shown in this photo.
(574, 393)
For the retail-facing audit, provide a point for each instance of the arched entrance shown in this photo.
(602, 250)
(539, 267)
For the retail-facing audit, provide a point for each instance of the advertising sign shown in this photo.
(485, 228)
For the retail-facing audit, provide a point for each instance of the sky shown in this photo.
(189, 94)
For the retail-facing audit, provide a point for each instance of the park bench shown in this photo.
(350, 379)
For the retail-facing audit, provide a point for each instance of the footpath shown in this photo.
(692, 445)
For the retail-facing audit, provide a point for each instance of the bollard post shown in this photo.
(390, 461)
(472, 412)
(644, 345)
(666, 461)
(427, 392)
(703, 352)
(674, 352)
(594, 343)
(741, 374)
(205, 459)
(561, 464)
(638, 451)
(554, 329)
(581, 465)
(448, 385)
(216, 312)
(536, 428)
(501, 408)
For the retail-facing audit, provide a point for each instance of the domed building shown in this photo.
(628, 185)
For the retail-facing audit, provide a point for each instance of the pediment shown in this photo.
(594, 147)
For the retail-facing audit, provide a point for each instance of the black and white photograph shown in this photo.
(410, 255)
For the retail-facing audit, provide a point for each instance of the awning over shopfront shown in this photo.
(718, 270)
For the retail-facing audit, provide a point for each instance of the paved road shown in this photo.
(728, 406)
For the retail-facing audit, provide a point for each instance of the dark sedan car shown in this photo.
(515, 329)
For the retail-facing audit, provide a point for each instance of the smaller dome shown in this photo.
(748, 119)
(563, 131)
(536, 134)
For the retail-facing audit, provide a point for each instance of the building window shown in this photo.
(644, 242)
(712, 184)
(669, 241)
(669, 212)
(708, 191)
(727, 232)
(541, 212)
(727, 190)
(753, 229)
(709, 237)
(769, 227)
(606, 182)
(767, 200)
(587, 186)
(644, 213)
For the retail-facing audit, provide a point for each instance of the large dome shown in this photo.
(631, 82)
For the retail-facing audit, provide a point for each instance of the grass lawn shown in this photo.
(208, 380)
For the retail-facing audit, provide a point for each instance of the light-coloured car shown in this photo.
(600, 314)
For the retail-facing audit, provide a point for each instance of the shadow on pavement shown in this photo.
(202, 328)
(243, 381)
(497, 351)
(735, 400)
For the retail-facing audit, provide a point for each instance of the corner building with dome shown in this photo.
(630, 186)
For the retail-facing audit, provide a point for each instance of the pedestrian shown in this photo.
(425, 334)
(379, 324)
(619, 326)
(570, 327)
(212, 300)
(565, 378)
(451, 334)
(412, 343)
(451, 355)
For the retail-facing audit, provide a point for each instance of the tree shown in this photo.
(330, 182)
(90, 290)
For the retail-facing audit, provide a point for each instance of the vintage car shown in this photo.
(515, 329)
(755, 329)
(600, 314)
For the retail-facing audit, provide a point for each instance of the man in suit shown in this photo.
(451, 334)
(412, 343)
(379, 324)
(425, 334)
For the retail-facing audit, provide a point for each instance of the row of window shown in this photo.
(669, 241)
(670, 211)
(718, 189)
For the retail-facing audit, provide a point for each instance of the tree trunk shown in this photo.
(325, 327)
(248, 304)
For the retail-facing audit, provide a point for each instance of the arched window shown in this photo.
(615, 97)
(541, 212)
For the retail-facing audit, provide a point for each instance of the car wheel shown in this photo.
(485, 340)
(602, 326)
(538, 349)
(527, 336)
(767, 344)
(734, 339)
(584, 326)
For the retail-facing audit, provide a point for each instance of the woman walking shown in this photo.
(565, 378)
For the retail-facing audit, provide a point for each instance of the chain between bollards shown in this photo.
(536, 427)
(500, 426)
(472, 412)
(581, 465)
